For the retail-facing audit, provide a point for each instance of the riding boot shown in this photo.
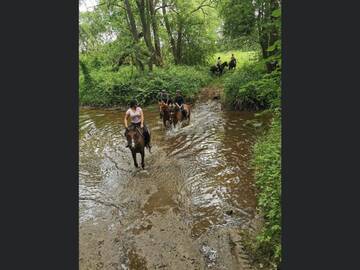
(147, 137)
(127, 143)
(183, 112)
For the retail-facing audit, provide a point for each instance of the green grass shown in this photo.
(242, 57)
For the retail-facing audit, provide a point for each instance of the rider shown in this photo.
(233, 58)
(179, 102)
(218, 63)
(137, 120)
(163, 97)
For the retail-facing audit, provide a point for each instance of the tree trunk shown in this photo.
(145, 24)
(179, 44)
(268, 33)
(131, 21)
(134, 32)
(154, 23)
(169, 31)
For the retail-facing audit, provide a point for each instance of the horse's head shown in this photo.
(133, 138)
(163, 106)
(225, 64)
(175, 114)
(172, 112)
(165, 109)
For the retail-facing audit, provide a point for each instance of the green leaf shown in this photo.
(276, 13)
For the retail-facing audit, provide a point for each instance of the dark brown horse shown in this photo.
(219, 70)
(178, 116)
(136, 143)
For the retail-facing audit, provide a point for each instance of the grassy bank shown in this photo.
(251, 88)
(267, 164)
(102, 87)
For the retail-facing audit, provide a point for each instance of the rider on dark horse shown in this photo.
(137, 121)
(233, 59)
(218, 64)
(179, 102)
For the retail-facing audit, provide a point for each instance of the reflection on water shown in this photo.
(213, 152)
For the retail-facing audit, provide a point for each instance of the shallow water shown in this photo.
(199, 172)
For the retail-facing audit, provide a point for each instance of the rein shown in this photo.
(138, 129)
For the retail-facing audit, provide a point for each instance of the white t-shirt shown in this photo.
(135, 116)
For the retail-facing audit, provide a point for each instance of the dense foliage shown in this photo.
(250, 18)
(252, 88)
(106, 88)
(267, 164)
(150, 32)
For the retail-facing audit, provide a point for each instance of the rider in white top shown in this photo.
(137, 120)
(135, 116)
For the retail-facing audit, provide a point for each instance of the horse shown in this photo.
(164, 113)
(232, 64)
(176, 115)
(218, 70)
(136, 144)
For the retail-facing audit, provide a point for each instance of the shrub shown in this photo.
(267, 165)
(108, 88)
(251, 88)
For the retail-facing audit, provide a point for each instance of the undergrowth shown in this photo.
(251, 88)
(103, 87)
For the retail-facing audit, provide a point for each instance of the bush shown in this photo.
(251, 88)
(108, 88)
(267, 164)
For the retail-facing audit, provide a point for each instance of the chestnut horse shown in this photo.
(165, 113)
(136, 142)
(177, 116)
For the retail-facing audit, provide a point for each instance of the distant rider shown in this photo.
(233, 58)
(218, 63)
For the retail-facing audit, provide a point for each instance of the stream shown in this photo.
(197, 186)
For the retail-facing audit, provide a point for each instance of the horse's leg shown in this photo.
(134, 157)
(142, 158)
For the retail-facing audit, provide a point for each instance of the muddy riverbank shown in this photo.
(185, 210)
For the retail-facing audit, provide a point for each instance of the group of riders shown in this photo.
(136, 115)
(219, 66)
(177, 103)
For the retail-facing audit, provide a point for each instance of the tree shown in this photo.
(245, 17)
